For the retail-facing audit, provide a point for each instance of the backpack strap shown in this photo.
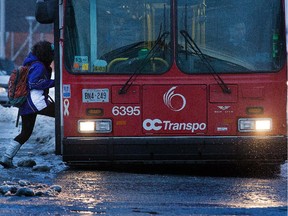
(18, 117)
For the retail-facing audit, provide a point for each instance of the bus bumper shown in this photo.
(175, 150)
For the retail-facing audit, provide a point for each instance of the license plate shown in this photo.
(95, 95)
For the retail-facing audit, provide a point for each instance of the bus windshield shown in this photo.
(135, 36)
(117, 36)
(232, 35)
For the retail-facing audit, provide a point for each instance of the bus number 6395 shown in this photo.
(126, 110)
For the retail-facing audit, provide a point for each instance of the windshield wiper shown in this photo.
(161, 39)
(197, 51)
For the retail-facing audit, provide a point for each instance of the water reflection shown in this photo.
(101, 191)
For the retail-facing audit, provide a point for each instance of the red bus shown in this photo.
(169, 81)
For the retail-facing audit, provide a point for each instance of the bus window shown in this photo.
(117, 36)
(232, 41)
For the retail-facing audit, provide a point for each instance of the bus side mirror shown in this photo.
(45, 11)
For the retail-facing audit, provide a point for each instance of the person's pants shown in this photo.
(28, 122)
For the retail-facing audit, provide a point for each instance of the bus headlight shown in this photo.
(95, 126)
(255, 124)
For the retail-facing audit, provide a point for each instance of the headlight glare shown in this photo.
(263, 125)
(95, 126)
(255, 124)
(86, 126)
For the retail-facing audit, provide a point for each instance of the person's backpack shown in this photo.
(17, 86)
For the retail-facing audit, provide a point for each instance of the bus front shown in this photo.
(164, 81)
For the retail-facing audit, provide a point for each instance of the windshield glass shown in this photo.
(232, 35)
(117, 36)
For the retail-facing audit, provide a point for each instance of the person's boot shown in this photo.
(10, 152)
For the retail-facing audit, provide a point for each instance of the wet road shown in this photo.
(128, 194)
(121, 193)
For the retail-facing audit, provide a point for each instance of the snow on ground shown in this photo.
(36, 160)
(41, 143)
(284, 169)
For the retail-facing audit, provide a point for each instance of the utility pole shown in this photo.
(286, 21)
(2, 29)
(30, 20)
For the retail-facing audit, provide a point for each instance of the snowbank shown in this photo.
(284, 169)
(43, 133)
(41, 145)
(26, 188)
(8, 114)
(36, 160)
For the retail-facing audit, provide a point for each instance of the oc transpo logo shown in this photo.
(167, 125)
(169, 95)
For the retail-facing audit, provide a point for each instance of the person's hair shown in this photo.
(44, 51)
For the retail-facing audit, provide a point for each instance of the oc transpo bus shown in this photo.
(169, 81)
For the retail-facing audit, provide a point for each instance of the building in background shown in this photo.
(20, 28)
